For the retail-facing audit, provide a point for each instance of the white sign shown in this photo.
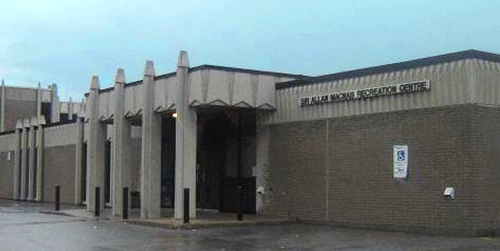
(400, 160)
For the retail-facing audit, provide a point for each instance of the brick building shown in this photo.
(407, 146)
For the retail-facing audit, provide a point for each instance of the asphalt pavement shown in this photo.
(29, 226)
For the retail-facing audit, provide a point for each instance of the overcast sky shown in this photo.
(66, 42)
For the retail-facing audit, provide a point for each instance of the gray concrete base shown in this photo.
(206, 219)
(221, 220)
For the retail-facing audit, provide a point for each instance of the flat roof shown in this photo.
(468, 54)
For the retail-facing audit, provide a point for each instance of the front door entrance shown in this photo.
(218, 174)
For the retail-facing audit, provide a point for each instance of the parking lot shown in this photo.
(27, 226)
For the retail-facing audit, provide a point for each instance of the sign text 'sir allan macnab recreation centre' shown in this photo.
(375, 147)
(366, 93)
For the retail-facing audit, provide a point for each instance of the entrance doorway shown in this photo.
(107, 173)
(168, 162)
(83, 180)
(219, 169)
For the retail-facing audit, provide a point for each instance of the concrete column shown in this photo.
(24, 159)
(121, 145)
(151, 149)
(2, 108)
(263, 137)
(39, 159)
(81, 112)
(96, 148)
(79, 161)
(39, 100)
(54, 105)
(17, 163)
(31, 159)
(70, 109)
(185, 143)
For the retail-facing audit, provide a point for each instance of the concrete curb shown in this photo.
(205, 225)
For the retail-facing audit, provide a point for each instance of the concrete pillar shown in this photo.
(39, 100)
(81, 112)
(24, 159)
(17, 163)
(54, 118)
(263, 137)
(151, 149)
(39, 159)
(79, 161)
(185, 142)
(70, 109)
(96, 148)
(31, 159)
(121, 145)
(2, 108)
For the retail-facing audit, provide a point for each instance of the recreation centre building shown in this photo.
(412, 146)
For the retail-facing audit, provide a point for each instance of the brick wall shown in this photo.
(485, 147)
(6, 175)
(297, 170)
(59, 169)
(340, 170)
(18, 109)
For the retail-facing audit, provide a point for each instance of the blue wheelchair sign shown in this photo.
(400, 158)
(401, 155)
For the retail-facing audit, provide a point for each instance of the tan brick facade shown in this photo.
(6, 174)
(18, 109)
(340, 170)
(59, 170)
